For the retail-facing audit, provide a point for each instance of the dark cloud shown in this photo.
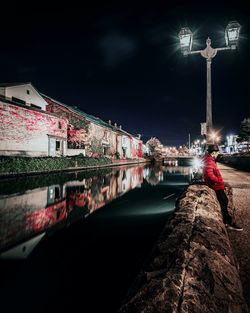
(158, 35)
(23, 69)
(115, 48)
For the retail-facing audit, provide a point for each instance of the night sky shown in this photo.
(119, 60)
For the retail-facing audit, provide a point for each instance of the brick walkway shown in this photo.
(240, 182)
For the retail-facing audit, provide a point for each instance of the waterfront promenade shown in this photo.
(240, 241)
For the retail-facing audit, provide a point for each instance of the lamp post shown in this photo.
(232, 33)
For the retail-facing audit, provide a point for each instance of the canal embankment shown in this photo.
(192, 267)
(22, 166)
(240, 242)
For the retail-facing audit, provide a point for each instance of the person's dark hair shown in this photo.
(212, 148)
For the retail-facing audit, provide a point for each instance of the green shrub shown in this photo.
(36, 164)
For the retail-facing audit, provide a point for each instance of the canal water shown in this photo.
(75, 242)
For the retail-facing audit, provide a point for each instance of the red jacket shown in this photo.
(211, 173)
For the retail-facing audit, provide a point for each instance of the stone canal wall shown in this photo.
(192, 267)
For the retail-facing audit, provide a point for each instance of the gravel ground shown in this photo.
(240, 241)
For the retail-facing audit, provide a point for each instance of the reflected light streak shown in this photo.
(150, 210)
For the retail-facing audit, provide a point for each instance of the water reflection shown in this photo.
(30, 207)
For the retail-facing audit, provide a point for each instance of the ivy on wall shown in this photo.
(95, 148)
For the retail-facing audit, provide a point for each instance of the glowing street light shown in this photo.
(214, 136)
(232, 34)
(186, 40)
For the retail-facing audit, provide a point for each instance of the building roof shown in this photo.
(14, 84)
(74, 109)
(19, 84)
(3, 99)
(90, 117)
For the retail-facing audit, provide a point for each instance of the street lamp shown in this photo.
(186, 40)
(214, 137)
(232, 33)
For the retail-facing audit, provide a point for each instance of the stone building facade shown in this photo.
(26, 129)
(33, 124)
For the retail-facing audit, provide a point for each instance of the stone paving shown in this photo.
(240, 241)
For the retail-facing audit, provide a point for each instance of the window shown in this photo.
(76, 145)
(124, 176)
(124, 152)
(59, 125)
(58, 145)
(35, 106)
(70, 145)
(57, 193)
(17, 100)
(105, 150)
(106, 180)
(28, 92)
